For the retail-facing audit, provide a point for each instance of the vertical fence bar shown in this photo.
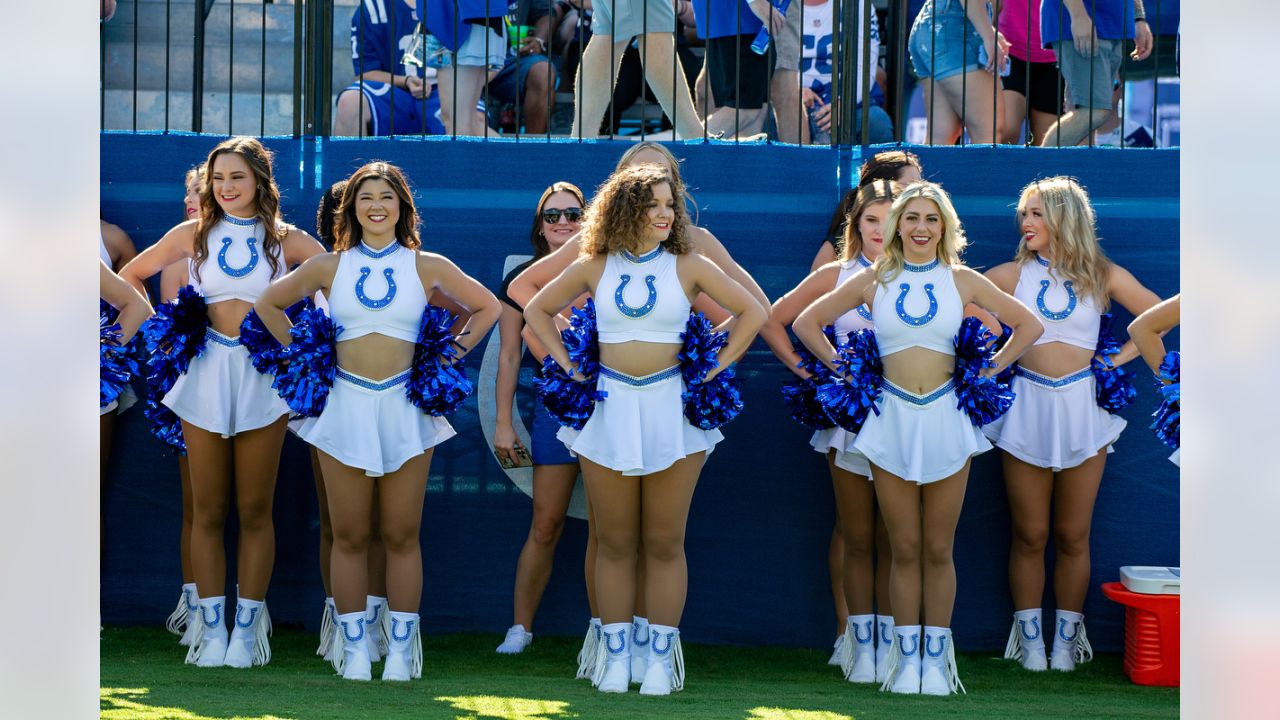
(135, 65)
(297, 67)
(395, 62)
(1062, 81)
(166, 64)
(360, 11)
(1155, 73)
(1093, 53)
(706, 67)
(933, 65)
(324, 92)
(197, 68)
(964, 77)
(864, 97)
(644, 63)
(898, 66)
(102, 75)
(231, 63)
(737, 72)
(802, 115)
(262, 92)
(1026, 77)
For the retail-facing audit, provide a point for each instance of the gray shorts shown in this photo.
(625, 19)
(1090, 79)
(787, 40)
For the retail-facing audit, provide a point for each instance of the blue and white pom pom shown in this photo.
(568, 401)
(801, 394)
(1114, 390)
(173, 336)
(707, 405)
(1168, 415)
(115, 366)
(849, 397)
(437, 383)
(265, 352)
(982, 398)
(307, 368)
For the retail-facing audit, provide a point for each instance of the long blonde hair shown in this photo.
(953, 241)
(1073, 236)
(615, 218)
(876, 191)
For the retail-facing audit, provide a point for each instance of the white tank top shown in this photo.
(918, 308)
(377, 291)
(102, 249)
(1067, 317)
(640, 298)
(858, 318)
(235, 268)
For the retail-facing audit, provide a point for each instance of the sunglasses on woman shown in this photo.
(552, 215)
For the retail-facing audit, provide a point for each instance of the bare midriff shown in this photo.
(1055, 359)
(225, 316)
(918, 370)
(375, 356)
(639, 358)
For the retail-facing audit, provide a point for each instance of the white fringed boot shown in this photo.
(859, 658)
(250, 644)
(589, 655)
(1026, 641)
(350, 650)
(325, 650)
(404, 653)
(613, 666)
(375, 625)
(179, 621)
(639, 649)
(209, 643)
(903, 672)
(940, 676)
(1070, 643)
(884, 645)
(665, 673)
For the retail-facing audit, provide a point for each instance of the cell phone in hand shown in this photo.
(522, 459)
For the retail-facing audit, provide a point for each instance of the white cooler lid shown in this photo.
(1151, 580)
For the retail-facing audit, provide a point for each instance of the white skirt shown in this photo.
(921, 438)
(640, 427)
(222, 393)
(1054, 423)
(1176, 457)
(371, 425)
(841, 440)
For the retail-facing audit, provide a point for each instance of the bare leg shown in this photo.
(855, 499)
(184, 540)
(975, 92)
(1030, 490)
(665, 497)
(734, 121)
(351, 110)
(662, 67)
(942, 501)
(209, 455)
(1075, 126)
(900, 503)
(835, 572)
(1074, 495)
(350, 495)
(942, 116)
(377, 553)
(257, 458)
(594, 86)
(793, 122)
(326, 527)
(552, 489)
(884, 562)
(616, 500)
(401, 495)
(589, 562)
(538, 97)
(460, 110)
(1013, 106)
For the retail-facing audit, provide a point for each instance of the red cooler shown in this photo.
(1152, 602)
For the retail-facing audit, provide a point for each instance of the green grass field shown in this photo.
(144, 678)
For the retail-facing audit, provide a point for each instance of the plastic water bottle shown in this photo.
(982, 60)
(760, 45)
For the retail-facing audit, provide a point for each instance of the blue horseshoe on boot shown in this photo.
(408, 630)
(1035, 625)
(253, 613)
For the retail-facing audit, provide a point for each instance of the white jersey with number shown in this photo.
(819, 39)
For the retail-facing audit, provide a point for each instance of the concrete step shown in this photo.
(247, 120)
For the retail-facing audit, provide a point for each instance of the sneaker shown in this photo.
(516, 641)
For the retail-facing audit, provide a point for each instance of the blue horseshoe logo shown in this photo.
(635, 636)
(1035, 625)
(238, 272)
(1059, 315)
(217, 615)
(346, 629)
(660, 636)
(942, 646)
(910, 319)
(1062, 631)
(858, 636)
(370, 303)
(864, 312)
(902, 645)
(643, 309)
(621, 636)
(253, 613)
(408, 630)
(886, 636)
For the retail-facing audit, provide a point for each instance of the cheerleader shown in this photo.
(919, 444)
(557, 218)
(370, 437)
(233, 423)
(637, 450)
(131, 309)
(1147, 332)
(1055, 439)
(863, 537)
(898, 165)
(522, 289)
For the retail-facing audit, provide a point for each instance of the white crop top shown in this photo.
(640, 298)
(377, 291)
(1067, 317)
(918, 308)
(235, 268)
(858, 318)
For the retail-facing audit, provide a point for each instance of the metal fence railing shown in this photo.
(844, 72)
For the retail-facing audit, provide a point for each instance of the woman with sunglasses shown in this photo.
(556, 219)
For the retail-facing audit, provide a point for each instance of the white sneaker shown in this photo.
(1070, 643)
(940, 676)
(249, 644)
(613, 670)
(350, 650)
(516, 641)
(404, 651)
(639, 649)
(209, 644)
(1026, 641)
(665, 673)
(860, 637)
(836, 650)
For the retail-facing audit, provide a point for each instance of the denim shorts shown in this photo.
(508, 85)
(944, 45)
(1090, 87)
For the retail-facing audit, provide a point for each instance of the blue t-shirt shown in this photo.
(373, 47)
(1112, 19)
(727, 18)
(452, 28)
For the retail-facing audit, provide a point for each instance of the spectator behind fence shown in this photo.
(956, 52)
(388, 96)
(465, 41)
(1033, 74)
(819, 40)
(737, 77)
(1088, 38)
(630, 84)
(784, 88)
(529, 78)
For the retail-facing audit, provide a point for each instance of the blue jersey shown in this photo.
(724, 18)
(451, 28)
(374, 45)
(1112, 20)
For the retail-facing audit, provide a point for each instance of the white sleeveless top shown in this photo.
(918, 308)
(1067, 317)
(377, 291)
(640, 298)
(102, 249)
(235, 268)
(858, 318)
